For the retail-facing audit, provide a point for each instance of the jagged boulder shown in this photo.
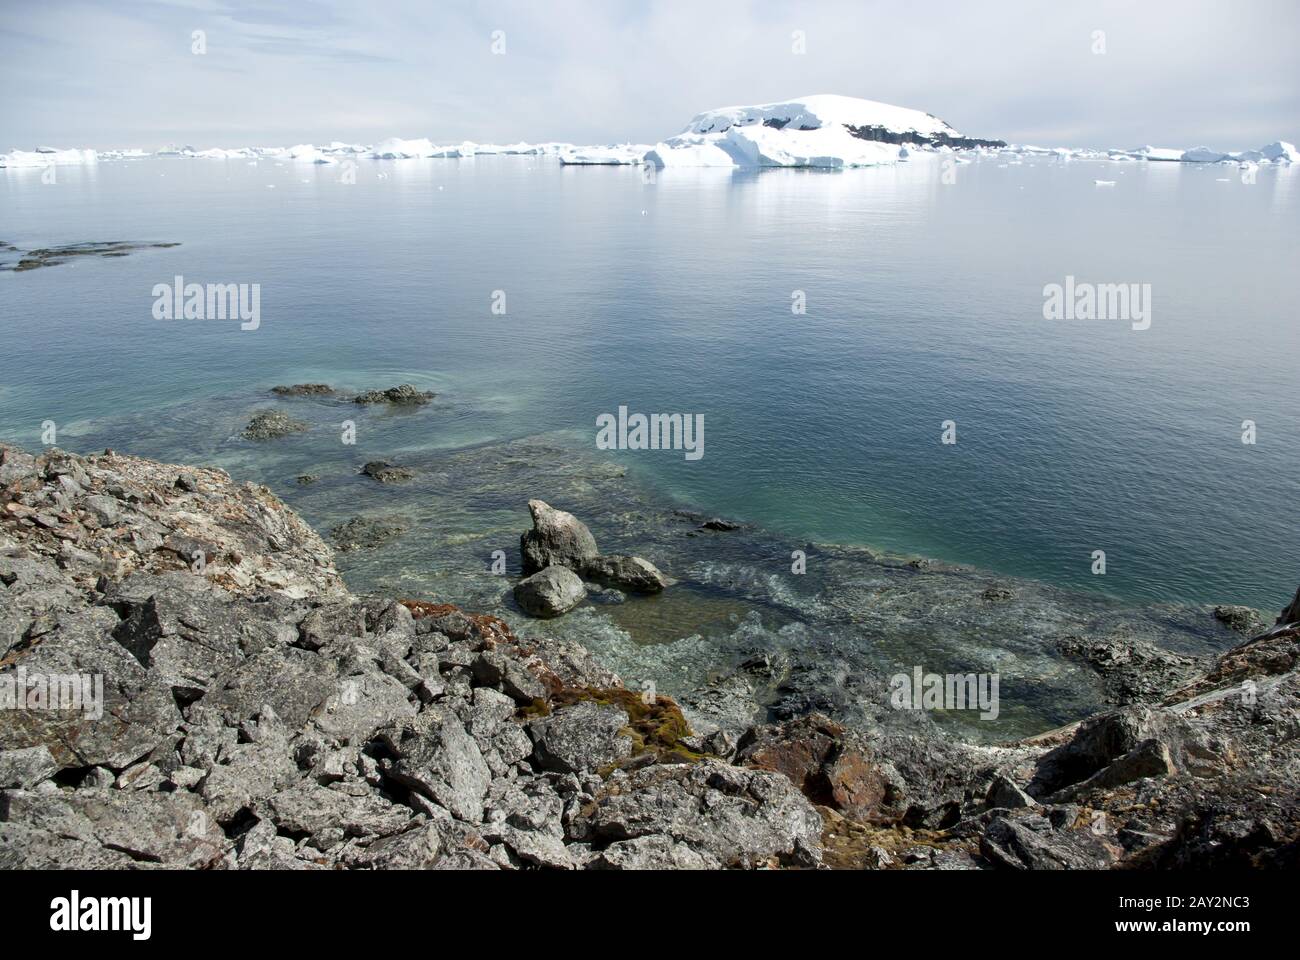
(557, 538)
(733, 816)
(583, 737)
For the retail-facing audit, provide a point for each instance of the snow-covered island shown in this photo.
(824, 131)
(818, 131)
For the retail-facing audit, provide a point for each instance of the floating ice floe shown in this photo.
(623, 154)
(133, 153)
(306, 153)
(464, 151)
(825, 130)
(45, 156)
(1276, 152)
(339, 147)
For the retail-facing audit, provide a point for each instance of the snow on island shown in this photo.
(825, 130)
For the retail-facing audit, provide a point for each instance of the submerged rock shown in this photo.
(272, 424)
(303, 390)
(631, 574)
(1244, 620)
(550, 592)
(54, 256)
(402, 395)
(366, 533)
(386, 472)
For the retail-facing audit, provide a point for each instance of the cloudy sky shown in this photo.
(120, 73)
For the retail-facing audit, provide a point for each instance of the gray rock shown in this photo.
(1003, 792)
(1034, 842)
(168, 828)
(657, 852)
(583, 737)
(733, 815)
(417, 848)
(26, 768)
(30, 848)
(550, 592)
(294, 683)
(632, 574)
(434, 756)
(138, 711)
(557, 538)
(494, 669)
(308, 808)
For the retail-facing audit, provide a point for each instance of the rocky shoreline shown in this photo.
(257, 714)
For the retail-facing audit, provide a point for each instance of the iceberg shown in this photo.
(306, 153)
(1202, 155)
(217, 153)
(45, 156)
(133, 153)
(689, 150)
(625, 154)
(1279, 151)
(465, 150)
(337, 146)
(824, 131)
(397, 149)
(1164, 154)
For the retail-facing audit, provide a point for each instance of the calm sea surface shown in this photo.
(923, 305)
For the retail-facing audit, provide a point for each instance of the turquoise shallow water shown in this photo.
(924, 304)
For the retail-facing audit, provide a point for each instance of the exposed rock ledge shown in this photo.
(256, 714)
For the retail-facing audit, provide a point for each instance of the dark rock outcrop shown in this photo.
(402, 395)
(303, 390)
(382, 471)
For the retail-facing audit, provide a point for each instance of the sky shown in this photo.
(1099, 73)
